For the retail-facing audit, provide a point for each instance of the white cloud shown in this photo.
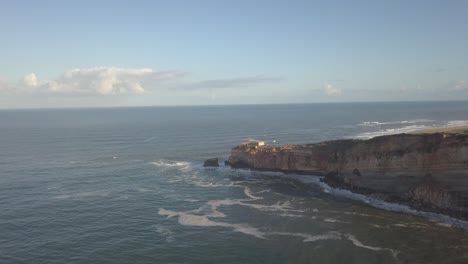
(331, 90)
(460, 85)
(412, 88)
(97, 81)
(30, 80)
(4, 86)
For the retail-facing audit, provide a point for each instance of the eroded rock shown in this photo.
(395, 165)
(214, 162)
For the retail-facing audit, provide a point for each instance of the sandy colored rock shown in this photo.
(428, 171)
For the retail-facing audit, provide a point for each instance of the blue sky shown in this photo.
(123, 53)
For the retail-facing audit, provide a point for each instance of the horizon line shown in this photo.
(220, 105)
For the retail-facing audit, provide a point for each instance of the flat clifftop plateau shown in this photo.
(426, 171)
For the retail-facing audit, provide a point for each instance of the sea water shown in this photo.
(126, 185)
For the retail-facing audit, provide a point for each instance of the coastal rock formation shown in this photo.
(211, 163)
(427, 171)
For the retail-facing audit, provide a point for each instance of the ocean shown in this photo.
(127, 185)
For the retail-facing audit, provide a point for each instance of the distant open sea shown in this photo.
(126, 185)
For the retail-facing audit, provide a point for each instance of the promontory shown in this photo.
(426, 170)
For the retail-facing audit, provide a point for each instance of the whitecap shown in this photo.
(170, 163)
(191, 200)
(83, 195)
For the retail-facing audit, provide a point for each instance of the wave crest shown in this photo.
(170, 163)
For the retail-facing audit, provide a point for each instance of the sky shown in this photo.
(145, 53)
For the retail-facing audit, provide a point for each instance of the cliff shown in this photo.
(426, 171)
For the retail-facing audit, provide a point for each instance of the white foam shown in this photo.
(333, 235)
(203, 221)
(209, 185)
(457, 123)
(445, 224)
(195, 220)
(291, 215)
(327, 236)
(391, 131)
(249, 194)
(365, 215)
(167, 213)
(415, 125)
(358, 243)
(170, 163)
(377, 123)
(211, 208)
(332, 220)
(310, 238)
(83, 195)
(165, 232)
(376, 202)
(190, 219)
(191, 200)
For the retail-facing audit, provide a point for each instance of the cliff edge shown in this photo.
(426, 171)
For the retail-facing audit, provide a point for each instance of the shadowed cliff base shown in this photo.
(428, 171)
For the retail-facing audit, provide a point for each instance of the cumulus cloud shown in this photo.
(30, 80)
(97, 81)
(460, 85)
(331, 90)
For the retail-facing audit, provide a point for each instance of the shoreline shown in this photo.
(425, 170)
(459, 130)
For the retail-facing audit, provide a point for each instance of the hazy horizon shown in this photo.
(225, 105)
(180, 53)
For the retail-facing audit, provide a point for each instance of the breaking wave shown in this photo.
(409, 126)
(200, 217)
(391, 131)
(447, 220)
(164, 163)
(377, 123)
(456, 123)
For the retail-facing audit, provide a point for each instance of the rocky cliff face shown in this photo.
(427, 171)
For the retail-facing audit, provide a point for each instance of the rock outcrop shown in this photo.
(426, 171)
(214, 162)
